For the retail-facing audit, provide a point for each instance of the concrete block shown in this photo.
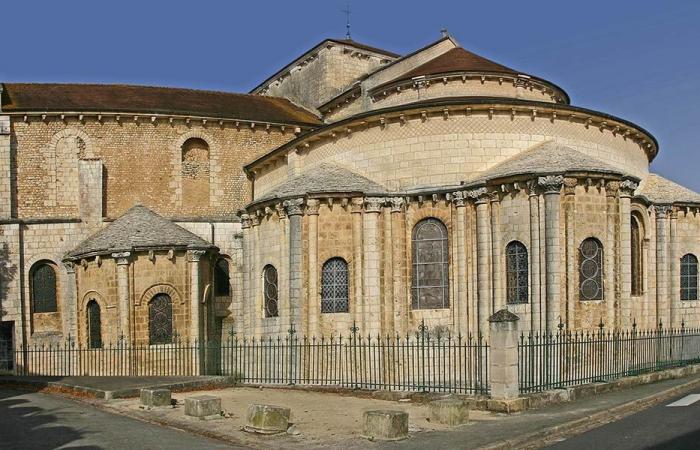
(267, 419)
(385, 425)
(449, 412)
(153, 398)
(203, 406)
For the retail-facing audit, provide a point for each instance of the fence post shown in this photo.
(503, 358)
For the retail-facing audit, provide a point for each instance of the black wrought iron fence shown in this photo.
(550, 360)
(421, 361)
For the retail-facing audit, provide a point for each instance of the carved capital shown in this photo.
(397, 204)
(312, 207)
(611, 188)
(294, 206)
(195, 255)
(373, 204)
(480, 195)
(280, 211)
(533, 188)
(663, 211)
(122, 258)
(627, 188)
(356, 205)
(551, 184)
(255, 219)
(459, 199)
(570, 186)
(70, 266)
(245, 221)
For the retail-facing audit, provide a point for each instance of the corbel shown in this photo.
(554, 116)
(490, 113)
(136, 118)
(170, 120)
(204, 122)
(24, 119)
(424, 115)
(171, 254)
(187, 121)
(43, 117)
(63, 118)
(534, 114)
(252, 125)
(151, 256)
(98, 260)
(445, 113)
(80, 118)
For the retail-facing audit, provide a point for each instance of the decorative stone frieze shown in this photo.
(373, 204)
(122, 258)
(294, 207)
(551, 184)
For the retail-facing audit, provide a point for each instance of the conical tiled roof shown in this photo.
(658, 189)
(137, 229)
(458, 60)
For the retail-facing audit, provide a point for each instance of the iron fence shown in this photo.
(422, 361)
(567, 358)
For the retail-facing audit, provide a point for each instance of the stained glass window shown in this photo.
(689, 277)
(222, 287)
(591, 270)
(430, 284)
(160, 319)
(43, 277)
(516, 272)
(270, 291)
(94, 325)
(636, 256)
(334, 286)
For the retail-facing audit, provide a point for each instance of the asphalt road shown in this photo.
(661, 427)
(31, 420)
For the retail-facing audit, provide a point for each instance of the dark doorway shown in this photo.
(7, 346)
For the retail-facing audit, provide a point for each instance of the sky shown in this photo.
(639, 60)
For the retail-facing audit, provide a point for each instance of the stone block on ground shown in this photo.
(385, 425)
(203, 406)
(153, 398)
(267, 419)
(449, 412)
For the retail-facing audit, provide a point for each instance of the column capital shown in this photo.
(570, 184)
(611, 188)
(245, 221)
(312, 207)
(356, 205)
(533, 188)
(397, 204)
(122, 258)
(551, 184)
(294, 206)
(627, 188)
(459, 199)
(70, 266)
(195, 255)
(479, 195)
(373, 204)
(279, 208)
(663, 211)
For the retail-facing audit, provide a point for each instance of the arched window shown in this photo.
(222, 287)
(430, 285)
(591, 270)
(334, 286)
(270, 291)
(689, 277)
(94, 322)
(43, 288)
(517, 270)
(160, 320)
(636, 255)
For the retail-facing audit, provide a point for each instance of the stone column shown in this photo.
(196, 328)
(674, 274)
(314, 299)
(372, 269)
(294, 212)
(571, 250)
(503, 358)
(5, 167)
(283, 273)
(535, 298)
(70, 307)
(627, 188)
(497, 263)
(483, 250)
(461, 258)
(398, 256)
(388, 273)
(357, 245)
(662, 287)
(551, 186)
(123, 294)
(256, 279)
(248, 300)
(611, 190)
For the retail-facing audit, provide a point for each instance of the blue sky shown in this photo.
(639, 60)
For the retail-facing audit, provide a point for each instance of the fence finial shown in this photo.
(561, 324)
(601, 325)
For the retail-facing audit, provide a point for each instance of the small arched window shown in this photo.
(636, 255)
(516, 272)
(334, 286)
(160, 320)
(43, 288)
(94, 322)
(430, 284)
(591, 270)
(270, 291)
(222, 286)
(689, 277)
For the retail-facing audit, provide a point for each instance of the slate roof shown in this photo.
(324, 178)
(548, 157)
(658, 189)
(48, 97)
(458, 60)
(137, 229)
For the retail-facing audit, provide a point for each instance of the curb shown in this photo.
(574, 427)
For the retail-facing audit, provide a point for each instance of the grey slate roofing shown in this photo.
(324, 178)
(658, 189)
(138, 228)
(548, 157)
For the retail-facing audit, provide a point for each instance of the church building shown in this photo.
(353, 189)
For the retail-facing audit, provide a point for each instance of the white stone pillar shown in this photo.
(388, 273)
(196, 328)
(662, 286)
(256, 277)
(294, 212)
(356, 209)
(571, 250)
(674, 274)
(503, 357)
(372, 265)
(483, 264)
(247, 302)
(535, 298)
(460, 307)
(70, 306)
(551, 186)
(497, 262)
(611, 190)
(399, 259)
(283, 272)
(123, 259)
(627, 188)
(314, 299)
